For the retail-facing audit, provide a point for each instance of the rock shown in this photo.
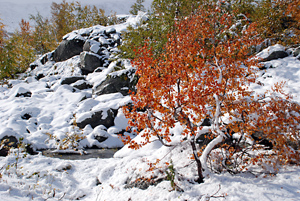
(260, 138)
(296, 52)
(39, 76)
(64, 167)
(110, 31)
(26, 116)
(44, 59)
(81, 85)
(8, 142)
(100, 138)
(143, 183)
(72, 79)
(92, 46)
(96, 119)
(90, 61)
(104, 42)
(114, 83)
(22, 92)
(276, 55)
(67, 49)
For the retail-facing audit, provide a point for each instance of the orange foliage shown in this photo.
(205, 72)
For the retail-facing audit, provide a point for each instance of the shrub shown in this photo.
(17, 52)
(161, 21)
(137, 6)
(277, 20)
(204, 73)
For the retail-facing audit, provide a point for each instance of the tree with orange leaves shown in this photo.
(204, 73)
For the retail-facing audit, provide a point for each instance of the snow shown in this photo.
(52, 107)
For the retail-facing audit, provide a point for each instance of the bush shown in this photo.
(161, 22)
(277, 20)
(17, 52)
(137, 6)
(203, 73)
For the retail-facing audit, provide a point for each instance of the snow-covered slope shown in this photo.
(122, 177)
(45, 105)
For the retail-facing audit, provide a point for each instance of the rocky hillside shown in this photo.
(75, 92)
(77, 89)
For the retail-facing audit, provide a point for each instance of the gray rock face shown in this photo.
(96, 119)
(118, 83)
(67, 49)
(276, 55)
(90, 61)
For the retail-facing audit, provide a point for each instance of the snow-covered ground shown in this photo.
(52, 105)
(37, 177)
(12, 11)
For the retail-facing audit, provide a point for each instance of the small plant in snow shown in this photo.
(171, 177)
(70, 140)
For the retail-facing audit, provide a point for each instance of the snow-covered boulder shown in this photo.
(22, 92)
(67, 49)
(71, 79)
(82, 84)
(90, 61)
(98, 118)
(276, 55)
(272, 53)
(120, 81)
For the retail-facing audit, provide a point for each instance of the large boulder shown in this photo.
(90, 61)
(116, 82)
(92, 46)
(67, 49)
(276, 55)
(97, 119)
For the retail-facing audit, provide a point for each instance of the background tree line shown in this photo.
(274, 24)
(21, 48)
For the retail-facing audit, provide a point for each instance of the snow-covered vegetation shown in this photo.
(72, 98)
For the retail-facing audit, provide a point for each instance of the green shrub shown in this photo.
(137, 6)
(162, 17)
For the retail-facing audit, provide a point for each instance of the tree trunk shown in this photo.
(200, 178)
